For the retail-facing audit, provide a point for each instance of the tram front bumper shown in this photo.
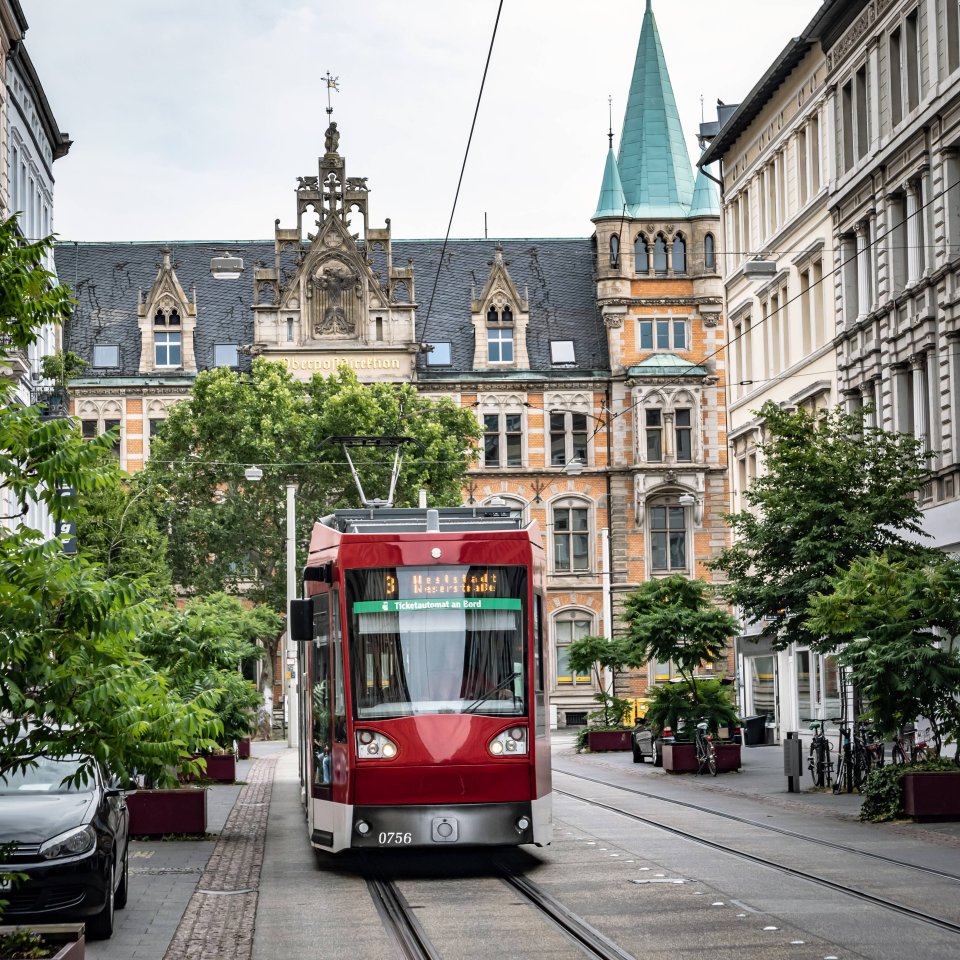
(466, 824)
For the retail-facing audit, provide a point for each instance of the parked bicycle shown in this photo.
(858, 753)
(706, 751)
(819, 763)
(907, 748)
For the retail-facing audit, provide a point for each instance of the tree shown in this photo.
(898, 620)
(833, 489)
(72, 680)
(593, 653)
(229, 534)
(675, 620)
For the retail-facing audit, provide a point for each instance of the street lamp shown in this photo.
(254, 474)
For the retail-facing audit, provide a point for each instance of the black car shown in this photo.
(70, 841)
(647, 742)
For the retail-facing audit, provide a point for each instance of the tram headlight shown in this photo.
(512, 741)
(375, 746)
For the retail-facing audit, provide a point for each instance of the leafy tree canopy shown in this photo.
(228, 533)
(676, 619)
(833, 489)
(898, 619)
(595, 653)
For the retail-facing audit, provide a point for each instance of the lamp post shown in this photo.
(291, 706)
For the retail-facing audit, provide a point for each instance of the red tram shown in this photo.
(423, 715)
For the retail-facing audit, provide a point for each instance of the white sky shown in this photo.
(191, 119)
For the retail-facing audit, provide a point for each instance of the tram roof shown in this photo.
(419, 520)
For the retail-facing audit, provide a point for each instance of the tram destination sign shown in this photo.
(448, 603)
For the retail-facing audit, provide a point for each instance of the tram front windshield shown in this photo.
(448, 639)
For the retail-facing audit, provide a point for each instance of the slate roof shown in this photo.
(558, 275)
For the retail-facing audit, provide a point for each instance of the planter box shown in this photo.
(68, 937)
(221, 767)
(601, 741)
(682, 757)
(932, 796)
(243, 749)
(156, 812)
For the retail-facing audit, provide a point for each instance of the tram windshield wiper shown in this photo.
(489, 693)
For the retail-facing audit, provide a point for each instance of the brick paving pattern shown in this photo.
(219, 920)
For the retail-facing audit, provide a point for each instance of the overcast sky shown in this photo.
(191, 119)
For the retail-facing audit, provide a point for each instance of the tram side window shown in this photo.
(339, 697)
(538, 640)
(322, 718)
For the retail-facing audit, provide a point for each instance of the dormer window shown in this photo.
(167, 343)
(500, 335)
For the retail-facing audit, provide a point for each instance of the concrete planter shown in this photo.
(682, 757)
(156, 812)
(602, 741)
(932, 796)
(66, 938)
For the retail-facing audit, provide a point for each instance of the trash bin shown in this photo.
(754, 730)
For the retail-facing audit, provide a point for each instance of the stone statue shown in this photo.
(331, 139)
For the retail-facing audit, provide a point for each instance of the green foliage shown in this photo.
(833, 489)
(117, 530)
(203, 648)
(63, 367)
(684, 705)
(675, 619)
(883, 788)
(891, 615)
(23, 944)
(73, 680)
(595, 653)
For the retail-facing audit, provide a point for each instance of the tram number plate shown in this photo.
(390, 838)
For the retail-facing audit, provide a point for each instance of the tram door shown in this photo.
(321, 719)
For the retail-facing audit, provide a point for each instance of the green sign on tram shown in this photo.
(447, 603)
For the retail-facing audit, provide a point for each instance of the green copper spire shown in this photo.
(654, 164)
(612, 202)
(706, 200)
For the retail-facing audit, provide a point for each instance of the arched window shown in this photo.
(659, 254)
(571, 536)
(668, 535)
(641, 259)
(614, 251)
(709, 253)
(679, 254)
(493, 316)
(570, 625)
(506, 316)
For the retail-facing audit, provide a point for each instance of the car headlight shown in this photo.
(512, 741)
(70, 844)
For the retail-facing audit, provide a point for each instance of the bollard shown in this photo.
(793, 761)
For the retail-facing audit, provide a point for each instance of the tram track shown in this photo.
(769, 828)
(833, 885)
(413, 942)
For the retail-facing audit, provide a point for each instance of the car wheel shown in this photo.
(100, 927)
(657, 757)
(637, 754)
(120, 899)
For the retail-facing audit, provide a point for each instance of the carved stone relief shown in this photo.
(335, 296)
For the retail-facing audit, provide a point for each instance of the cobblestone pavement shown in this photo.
(219, 920)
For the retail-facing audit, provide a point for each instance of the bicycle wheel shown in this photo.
(711, 758)
(898, 755)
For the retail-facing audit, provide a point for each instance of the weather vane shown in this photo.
(332, 84)
(610, 132)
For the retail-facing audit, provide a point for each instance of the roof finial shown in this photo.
(331, 85)
(610, 131)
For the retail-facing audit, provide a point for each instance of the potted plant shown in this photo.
(48, 941)
(606, 729)
(675, 620)
(897, 617)
(61, 368)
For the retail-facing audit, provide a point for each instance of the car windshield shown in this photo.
(46, 777)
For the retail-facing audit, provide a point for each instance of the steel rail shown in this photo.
(400, 921)
(588, 938)
(783, 831)
(774, 865)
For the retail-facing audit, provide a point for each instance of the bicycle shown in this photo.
(872, 747)
(818, 762)
(856, 754)
(706, 751)
(906, 747)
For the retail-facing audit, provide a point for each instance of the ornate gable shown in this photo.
(500, 318)
(167, 321)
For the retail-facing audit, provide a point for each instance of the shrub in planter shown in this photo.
(883, 793)
(681, 706)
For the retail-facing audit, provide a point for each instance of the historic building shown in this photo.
(594, 366)
(30, 142)
(841, 192)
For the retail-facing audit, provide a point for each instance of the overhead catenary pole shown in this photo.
(292, 706)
